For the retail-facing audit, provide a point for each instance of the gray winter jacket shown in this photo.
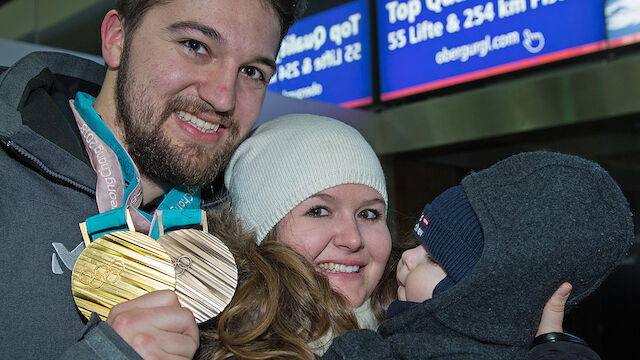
(48, 188)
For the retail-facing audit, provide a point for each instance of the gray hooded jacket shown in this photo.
(48, 188)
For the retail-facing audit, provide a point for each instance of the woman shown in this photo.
(313, 185)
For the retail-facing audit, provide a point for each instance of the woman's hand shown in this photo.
(553, 312)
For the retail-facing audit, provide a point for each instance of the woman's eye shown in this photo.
(318, 212)
(253, 73)
(195, 46)
(370, 214)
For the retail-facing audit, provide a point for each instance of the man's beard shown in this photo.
(152, 151)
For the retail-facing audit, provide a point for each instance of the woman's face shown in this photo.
(343, 232)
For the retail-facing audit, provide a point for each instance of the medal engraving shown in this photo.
(102, 273)
(118, 267)
(182, 264)
(206, 271)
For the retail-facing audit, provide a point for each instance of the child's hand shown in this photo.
(553, 312)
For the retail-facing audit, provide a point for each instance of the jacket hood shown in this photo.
(16, 82)
(37, 122)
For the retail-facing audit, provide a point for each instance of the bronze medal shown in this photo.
(118, 267)
(206, 272)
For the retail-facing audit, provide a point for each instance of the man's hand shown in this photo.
(156, 326)
(553, 312)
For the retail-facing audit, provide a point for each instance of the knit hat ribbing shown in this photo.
(290, 158)
(451, 232)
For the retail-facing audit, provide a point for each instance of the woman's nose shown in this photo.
(347, 235)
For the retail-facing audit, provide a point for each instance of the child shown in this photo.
(491, 251)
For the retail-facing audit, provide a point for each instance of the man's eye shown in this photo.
(253, 73)
(195, 46)
(370, 214)
(317, 212)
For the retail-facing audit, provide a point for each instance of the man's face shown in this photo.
(191, 83)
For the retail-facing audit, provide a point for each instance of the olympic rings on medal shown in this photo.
(101, 274)
(182, 264)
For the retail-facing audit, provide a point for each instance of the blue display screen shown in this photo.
(326, 57)
(429, 44)
(623, 21)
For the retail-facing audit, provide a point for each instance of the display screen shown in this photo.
(623, 21)
(326, 57)
(430, 44)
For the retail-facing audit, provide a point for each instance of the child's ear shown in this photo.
(112, 33)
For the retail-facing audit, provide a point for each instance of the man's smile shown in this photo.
(201, 125)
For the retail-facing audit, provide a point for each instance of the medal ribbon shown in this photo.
(118, 187)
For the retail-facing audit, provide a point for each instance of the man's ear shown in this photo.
(112, 38)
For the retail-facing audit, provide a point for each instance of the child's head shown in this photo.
(451, 243)
(545, 218)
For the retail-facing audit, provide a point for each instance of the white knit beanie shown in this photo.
(292, 157)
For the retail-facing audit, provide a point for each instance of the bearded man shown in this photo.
(183, 85)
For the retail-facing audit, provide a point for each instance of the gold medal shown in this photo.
(206, 272)
(118, 267)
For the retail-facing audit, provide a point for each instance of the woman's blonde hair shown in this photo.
(282, 304)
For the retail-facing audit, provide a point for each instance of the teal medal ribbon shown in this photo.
(179, 209)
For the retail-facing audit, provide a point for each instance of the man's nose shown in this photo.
(218, 87)
(347, 234)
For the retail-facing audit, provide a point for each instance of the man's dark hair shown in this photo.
(132, 12)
